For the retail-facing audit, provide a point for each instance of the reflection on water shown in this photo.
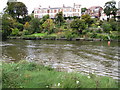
(81, 56)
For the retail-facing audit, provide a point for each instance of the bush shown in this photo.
(15, 32)
(84, 32)
(35, 25)
(114, 25)
(70, 34)
(25, 32)
(48, 26)
(19, 26)
(102, 36)
(106, 27)
(78, 25)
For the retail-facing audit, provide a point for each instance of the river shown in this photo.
(79, 56)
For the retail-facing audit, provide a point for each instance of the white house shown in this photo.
(67, 11)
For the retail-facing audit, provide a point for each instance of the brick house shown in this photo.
(95, 11)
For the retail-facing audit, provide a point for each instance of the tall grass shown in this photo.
(31, 75)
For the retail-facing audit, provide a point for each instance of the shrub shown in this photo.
(26, 25)
(20, 26)
(78, 25)
(48, 26)
(84, 32)
(35, 25)
(106, 27)
(114, 25)
(25, 32)
(70, 34)
(15, 32)
(102, 36)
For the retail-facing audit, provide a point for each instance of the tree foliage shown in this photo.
(78, 25)
(48, 25)
(110, 8)
(83, 9)
(45, 17)
(107, 27)
(7, 25)
(59, 19)
(26, 25)
(16, 9)
(35, 25)
(87, 19)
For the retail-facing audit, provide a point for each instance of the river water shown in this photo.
(79, 56)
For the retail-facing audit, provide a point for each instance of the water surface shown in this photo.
(81, 56)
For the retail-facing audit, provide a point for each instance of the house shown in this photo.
(118, 11)
(12, 0)
(52, 11)
(95, 11)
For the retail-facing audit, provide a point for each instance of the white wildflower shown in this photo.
(55, 84)
(46, 86)
(58, 84)
(77, 82)
(17, 67)
(88, 76)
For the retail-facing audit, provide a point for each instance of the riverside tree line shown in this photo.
(17, 22)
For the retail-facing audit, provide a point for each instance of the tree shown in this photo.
(35, 25)
(110, 9)
(26, 19)
(45, 17)
(87, 19)
(48, 25)
(83, 9)
(78, 25)
(59, 18)
(26, 25)
(16, 9)
(7, 25)
(107, 27)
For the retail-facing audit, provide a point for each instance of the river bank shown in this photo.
(31, 75)
(55, 38)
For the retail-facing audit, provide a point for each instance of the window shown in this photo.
(38, 11)
(48, 11)
(55, 11)
(36, 16)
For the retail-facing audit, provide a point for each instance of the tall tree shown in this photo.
(83, 9)
(87, 18)
(110, 9)
(35, 25)
(48, 26)
(7, 25)
(16, 9)
(59, 18)
(78, 25)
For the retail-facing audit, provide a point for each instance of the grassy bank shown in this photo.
(60, 36)
(30, 75)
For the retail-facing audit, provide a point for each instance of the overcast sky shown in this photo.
(31, 4)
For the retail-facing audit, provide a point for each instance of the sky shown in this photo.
(31, 4)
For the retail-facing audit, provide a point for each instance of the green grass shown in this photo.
(39, 34)
(31, 75)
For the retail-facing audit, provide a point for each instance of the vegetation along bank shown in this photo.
(22, 25)
(31, 75)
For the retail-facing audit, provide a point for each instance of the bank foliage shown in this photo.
(62, 27)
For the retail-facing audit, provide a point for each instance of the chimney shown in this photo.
(74, 4)
(63, 5)
(49, 6)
